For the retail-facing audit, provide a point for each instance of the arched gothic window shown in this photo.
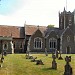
(52, 43)
(5, 46)
(37, 43)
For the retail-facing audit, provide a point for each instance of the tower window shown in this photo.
(70, 21)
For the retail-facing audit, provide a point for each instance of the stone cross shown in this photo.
(60, 57)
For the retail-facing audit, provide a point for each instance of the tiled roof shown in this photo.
(14, 31)
(30, 29)
(57, 31)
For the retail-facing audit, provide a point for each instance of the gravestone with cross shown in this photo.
(60, 57)
(68, 68)
(54, 64)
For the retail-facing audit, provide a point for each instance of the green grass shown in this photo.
(16, 64)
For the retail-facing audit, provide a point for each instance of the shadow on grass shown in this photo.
(46, 69)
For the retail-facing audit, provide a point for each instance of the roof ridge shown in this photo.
(10, 26)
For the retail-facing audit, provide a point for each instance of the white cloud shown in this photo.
(37, 12)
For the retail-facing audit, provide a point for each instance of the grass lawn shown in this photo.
(16, 64)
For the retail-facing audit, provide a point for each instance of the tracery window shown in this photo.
(52, 43)
(38, 43)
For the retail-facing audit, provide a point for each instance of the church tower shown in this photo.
(66, 19)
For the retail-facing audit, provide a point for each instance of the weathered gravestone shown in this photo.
(60, 57)
(34, 59)
(39, 62)
(28, 56)
(54, 64)
(1, 65)
(68, 68)
(52, 54)
(1, 60)
(5, 53)
(57, 53)
(46, 53)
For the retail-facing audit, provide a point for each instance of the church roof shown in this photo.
(57, 31)
(30, 29)
(14, 31)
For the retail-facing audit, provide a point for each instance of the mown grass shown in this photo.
(16, 64)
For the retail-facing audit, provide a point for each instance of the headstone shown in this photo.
(1, 60)
(60, 57)
(56, 53)
(54, 64)
(34, 59)
(68, 68)
(52, 54)
(2, 57)
(29, 57)
(1, 65)
(69, 58)
(27, 53)
(46, 52)
(39, 62)
(5, 53)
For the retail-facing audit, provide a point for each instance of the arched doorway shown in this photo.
(68, 51)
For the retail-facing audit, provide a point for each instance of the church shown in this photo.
(37, 39)
(51, 38)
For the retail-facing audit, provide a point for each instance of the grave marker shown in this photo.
(56, 53)
(46, 52)
(54, 64)
(39, 62)
(68, 68)
(34, 59)
(60, 57)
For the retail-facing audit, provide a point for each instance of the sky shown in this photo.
(33, 12)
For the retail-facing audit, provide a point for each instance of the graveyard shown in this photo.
(17, 64)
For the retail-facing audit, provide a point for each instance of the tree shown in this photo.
(50, 26)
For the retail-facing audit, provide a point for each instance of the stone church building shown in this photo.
(15, 39)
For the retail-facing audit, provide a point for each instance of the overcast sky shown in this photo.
(34, 12)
